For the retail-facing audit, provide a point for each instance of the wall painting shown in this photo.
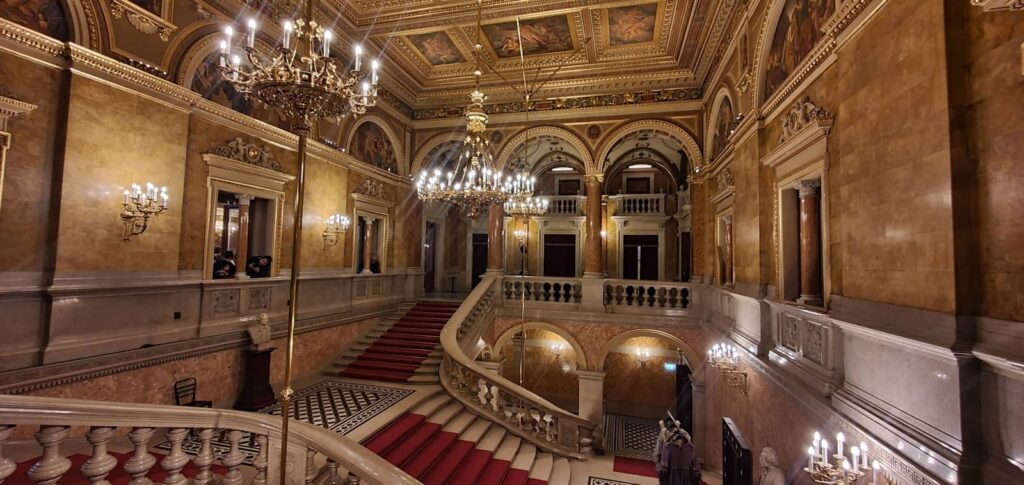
(633, 24)
(796, 35)
(437, 48)
(208, 83)
(44, 16)
(371, 145)
(545, 35)
(725, 117)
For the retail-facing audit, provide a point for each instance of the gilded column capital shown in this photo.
(594, 178)
(808, 187)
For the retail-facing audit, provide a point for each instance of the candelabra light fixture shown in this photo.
(557, 348)
(726, 358)
(139, 205)
(334, 227)
(643, 355)
(520, 235)
(837, 469)
(527, 207)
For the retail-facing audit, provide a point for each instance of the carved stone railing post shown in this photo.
(99, 465)
(7, 466)
(310, 466)
(176, 460)
(261, 461)
(52, 466)
(141, 461)
(233, 459)
(204, 459)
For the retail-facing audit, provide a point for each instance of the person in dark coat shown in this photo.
(681, 460)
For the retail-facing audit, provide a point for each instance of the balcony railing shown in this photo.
(636, 296)
(518, 410)
(641, 205)
(346, 461)
(556, 290)
(566, 205)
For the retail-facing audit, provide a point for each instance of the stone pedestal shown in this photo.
(496, 239)
(256, 390)
(593, 266)
(591, 395)
(516, 360)
(810, 244)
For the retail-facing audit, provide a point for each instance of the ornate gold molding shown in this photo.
(251, 153)
(371, 188)
(143, 20)
(802, 115)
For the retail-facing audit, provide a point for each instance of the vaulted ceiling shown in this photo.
(603, 47)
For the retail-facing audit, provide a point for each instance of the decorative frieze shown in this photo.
(802, 115)
(371, 188)
(143, 20)
(251, 153)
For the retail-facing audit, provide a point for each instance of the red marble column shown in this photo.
(728, 275)
(496, 239)
(593, 266)
(368, 246)
(810, 243)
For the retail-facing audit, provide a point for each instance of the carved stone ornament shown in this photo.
(260, 332)
(802, 115)
(371, 188)
(251, 153)
(143, 20)
(726, 179)
(999, 5)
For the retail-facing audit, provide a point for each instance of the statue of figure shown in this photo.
(771, 474)
(260, 333)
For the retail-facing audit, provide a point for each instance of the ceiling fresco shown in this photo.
(632, 24)
(436, 48)
(547, 35)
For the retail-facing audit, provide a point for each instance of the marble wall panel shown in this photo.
(28, 171)
(640, 389)
(551, 376)
(325, 197)
(149, 146)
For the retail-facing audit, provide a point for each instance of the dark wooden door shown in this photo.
(429, 253)
(479, 266)
(640, 257)
(684, 398)
(560, 255)
(685, 265)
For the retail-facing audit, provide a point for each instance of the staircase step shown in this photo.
(515, 476)
(388, 366)
(490, 442)
(431, 405)
(398, 359)
(374, 374)
(471, 466)
(409, 444)
(507, 449)
(524, 457)
(541, 468)
(420, 464)
(398, 342)
(494, 472)
(384, 439)
(444, 415)
(561, 472)
(392, 349)
(430, 332)
(415, 337)
(447, 463)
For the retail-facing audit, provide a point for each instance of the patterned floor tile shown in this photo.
(606, 481)
(630, 436)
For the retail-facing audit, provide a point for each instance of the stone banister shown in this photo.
(54, 416)
(487, 394)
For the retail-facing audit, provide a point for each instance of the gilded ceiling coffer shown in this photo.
(139, 205)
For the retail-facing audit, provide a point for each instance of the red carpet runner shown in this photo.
(397, 354)
(634, 466)
(438, 457)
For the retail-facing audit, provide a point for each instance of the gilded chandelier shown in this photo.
(299, 78)
(726, 358)
(526, 207)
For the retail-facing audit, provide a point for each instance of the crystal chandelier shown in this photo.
(527, 207)
(299, 77)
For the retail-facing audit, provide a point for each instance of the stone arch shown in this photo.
(692, 357)
(556, 131)
(690, 145)
(723, 94)
(388, 131)
(771, 21)
(420, 158)
(505, 338)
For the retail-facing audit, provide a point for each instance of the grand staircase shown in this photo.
(439, 442)
(404, 347)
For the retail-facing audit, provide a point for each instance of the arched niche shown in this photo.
(783, 45)
(372, 140)
(723, 112)
(506, 338)
(691, 357)
(582, 152)
(689, 145)
(422, 158)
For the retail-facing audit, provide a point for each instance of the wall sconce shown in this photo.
(726, 358)
(139, 206)
(604, 233)
(838, 469)
(643, 355)
(335, 226)
(520, 235)
(557, 348)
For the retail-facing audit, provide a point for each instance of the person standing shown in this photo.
(681, 460)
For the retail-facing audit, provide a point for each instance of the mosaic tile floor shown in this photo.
(630, 436)
(334, 405)
(606, 481)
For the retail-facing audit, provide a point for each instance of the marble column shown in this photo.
(593, 266)
(728, 270)
(591, 395)
(367, 246)
(810, 243)
(242, 254)
(516, 362)
(496, 239)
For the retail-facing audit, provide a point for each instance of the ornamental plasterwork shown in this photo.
(143, 20)
(990, 5)
(725, 179)
(371, 188)
(251, 153)
(803, 114)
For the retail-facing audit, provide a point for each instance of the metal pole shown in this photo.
(302, 128)
(522, 312)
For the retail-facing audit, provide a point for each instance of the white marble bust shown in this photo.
(260, 333)
(771, 474)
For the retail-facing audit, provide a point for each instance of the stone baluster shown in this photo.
(261, 461)
(141, 461)
(332, 472)
(204, 459)
(176, 459)
(7, 466)
(233, 459)
(352, 480)
(52, 466)
(99, 465)
(310, 468)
